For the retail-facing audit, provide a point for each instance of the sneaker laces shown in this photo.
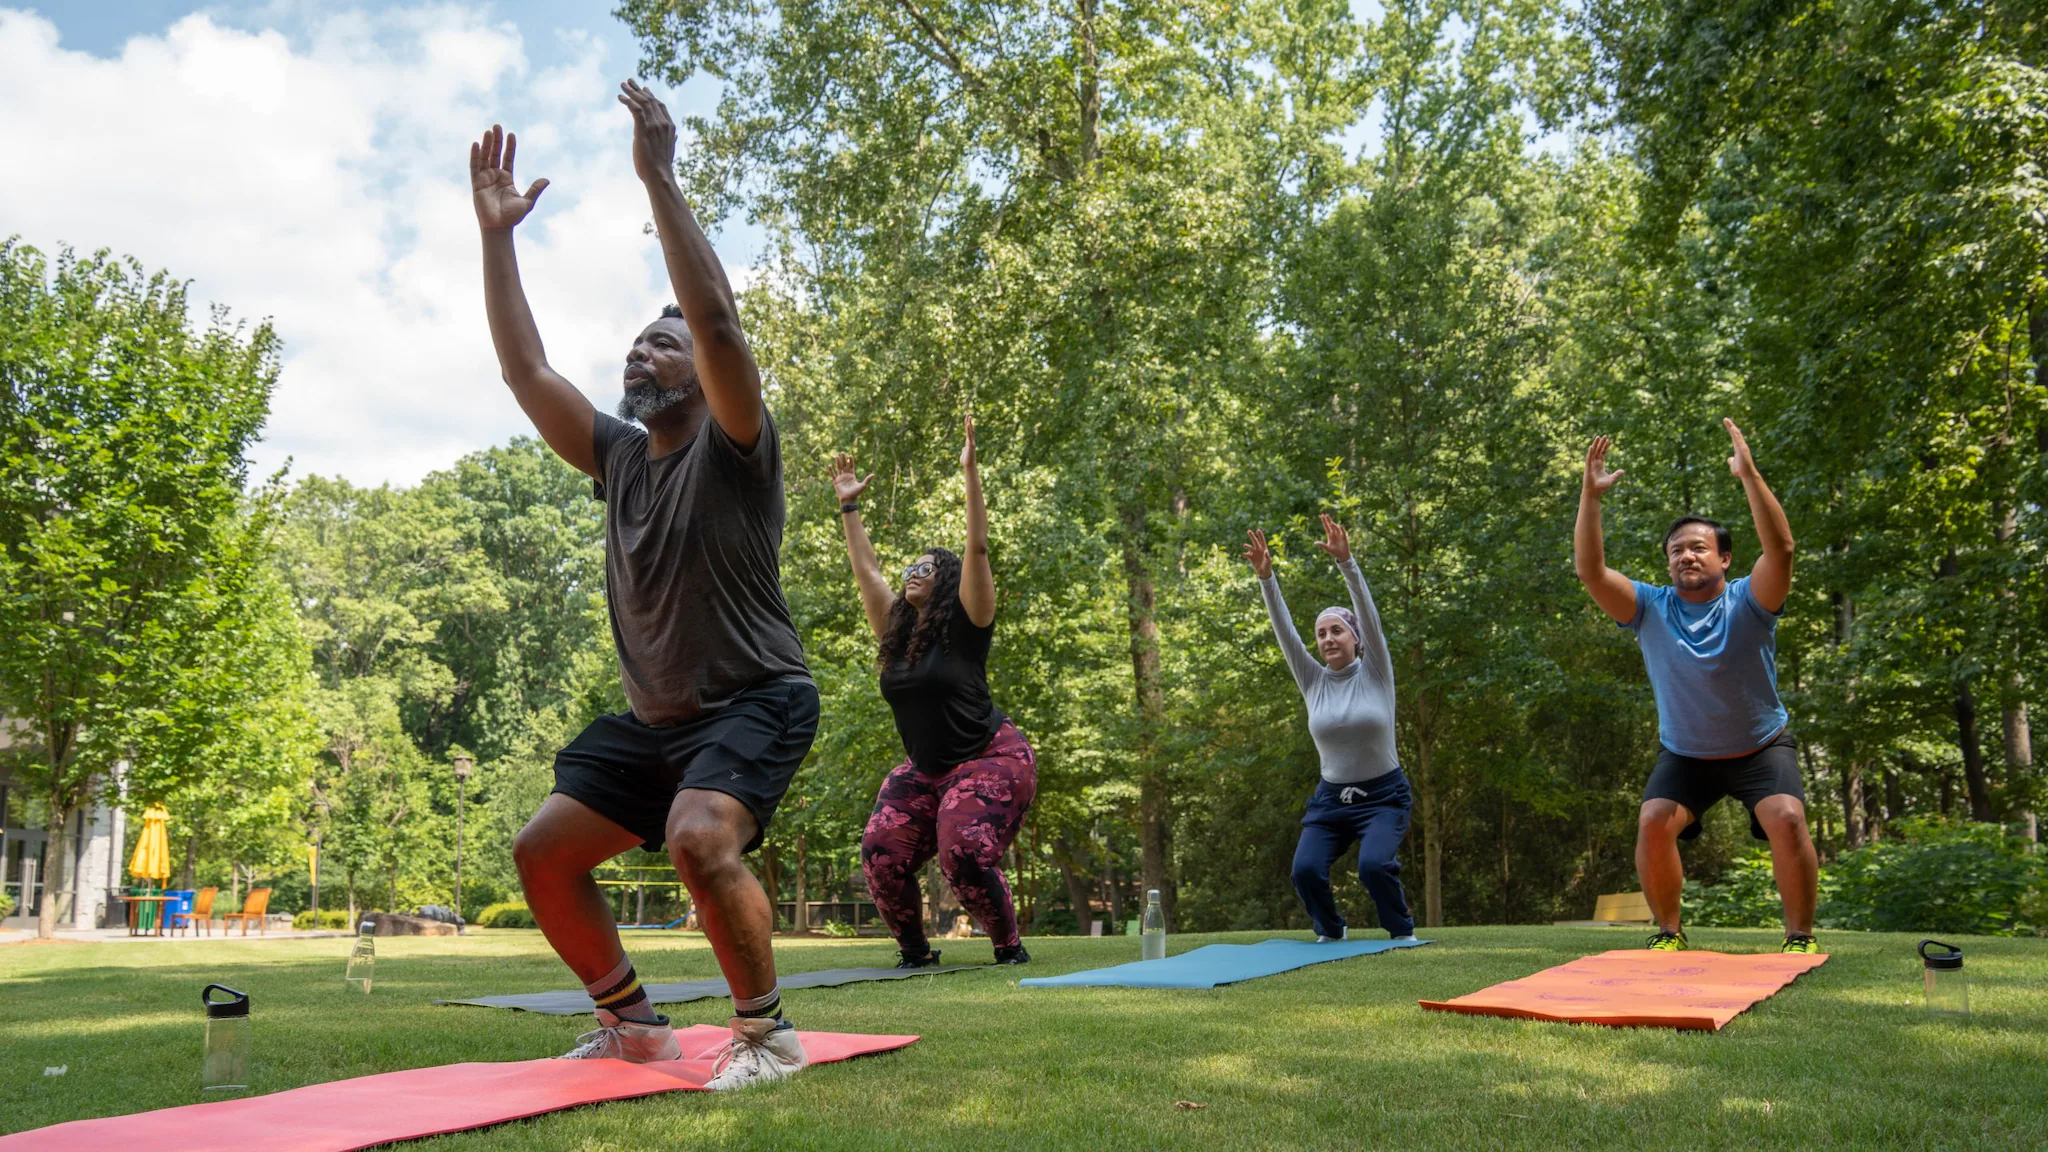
(734, 1050)
(594, 1045)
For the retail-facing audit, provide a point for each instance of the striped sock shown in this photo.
(765, 1006)
(619, 993)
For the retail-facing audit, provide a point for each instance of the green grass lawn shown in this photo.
(1337, 1055)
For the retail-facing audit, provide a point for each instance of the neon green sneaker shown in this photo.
(1668, 942)
(1801, 942)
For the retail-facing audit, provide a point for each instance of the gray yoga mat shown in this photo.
(578, 1003)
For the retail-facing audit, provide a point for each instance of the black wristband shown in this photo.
(849, 506)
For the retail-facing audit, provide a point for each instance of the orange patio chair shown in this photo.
(253, 908)
(201, 913)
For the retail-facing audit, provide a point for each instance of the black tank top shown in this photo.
(942, 706)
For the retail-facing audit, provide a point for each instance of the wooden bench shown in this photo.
(1616, 910)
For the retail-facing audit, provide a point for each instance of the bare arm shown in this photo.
(1613, 592)
(977, 581)
(867, 571)
(725, 365)
(1770, 581)
(1372, 647)
(558, 411)
(1302, 665)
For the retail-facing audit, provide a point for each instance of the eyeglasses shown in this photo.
(920, 568)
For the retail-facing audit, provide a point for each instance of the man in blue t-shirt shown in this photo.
(1710, 646)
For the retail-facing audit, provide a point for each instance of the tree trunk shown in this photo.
(1973, 754)
(1852, 802)
(191, 858)
(1432, 835)
(1073, 869)
(773, 883)
(2019, 751)
(801, 922)
(1155, 797)
(54, 878)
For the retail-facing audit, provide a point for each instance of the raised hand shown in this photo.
(846, 479)
(1598, 479)
(499, 203)
(654, 134)
(1258, 554)
(1741, 463)
(967, 457)
(1336, 542)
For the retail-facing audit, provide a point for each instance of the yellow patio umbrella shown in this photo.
(152, 859)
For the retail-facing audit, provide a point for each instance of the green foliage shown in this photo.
(6, 905)
(838, 929)
(1745, 896)
(1937, 876)
(140, 623)
(511, 914)
(330, 918)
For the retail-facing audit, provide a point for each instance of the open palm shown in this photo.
(499, 203)
(1598, 478)
(1256, 552)
(846, 481)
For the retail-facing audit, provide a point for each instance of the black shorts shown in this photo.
(1772, 770)
(629, 773)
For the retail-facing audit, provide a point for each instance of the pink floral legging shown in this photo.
(967, 818)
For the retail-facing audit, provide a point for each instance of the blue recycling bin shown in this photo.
(180, 902)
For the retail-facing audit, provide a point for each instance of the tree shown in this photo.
(123, 441)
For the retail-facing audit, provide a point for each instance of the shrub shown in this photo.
(6, 905)
(1937, 876)
(838, 929)
(511, 914)
(1056, 922)
(330, 918)
(1746, 895)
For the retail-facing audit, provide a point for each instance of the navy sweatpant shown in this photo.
(1375, 815)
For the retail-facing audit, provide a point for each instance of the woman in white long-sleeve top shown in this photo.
(1363, 796)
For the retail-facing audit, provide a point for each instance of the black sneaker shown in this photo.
(929, 960)
(1013, 955)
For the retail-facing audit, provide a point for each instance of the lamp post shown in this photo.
(465, 765)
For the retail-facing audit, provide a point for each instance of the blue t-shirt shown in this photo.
(1713, 667)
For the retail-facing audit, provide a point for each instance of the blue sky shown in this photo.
(305, 163)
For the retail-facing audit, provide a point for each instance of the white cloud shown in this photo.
(321, 181)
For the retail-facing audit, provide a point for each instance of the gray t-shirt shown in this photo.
(693, 578)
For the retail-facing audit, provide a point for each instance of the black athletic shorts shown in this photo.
(629, 773)
(1772, 770)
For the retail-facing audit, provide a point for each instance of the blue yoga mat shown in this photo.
(1214, 964)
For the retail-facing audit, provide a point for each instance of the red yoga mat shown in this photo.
(368, 1110)
(1641, 989)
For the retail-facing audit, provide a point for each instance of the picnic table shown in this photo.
(135, 904)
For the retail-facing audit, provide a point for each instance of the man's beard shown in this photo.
(651, 400)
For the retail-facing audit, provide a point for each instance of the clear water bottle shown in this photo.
(1948, 990)
(225, 1067)
(1153, 939)
(362, 959)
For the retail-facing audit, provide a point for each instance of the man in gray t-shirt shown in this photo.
(723, 709)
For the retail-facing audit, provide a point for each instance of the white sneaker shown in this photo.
(1409, 936)
(625, 1040)
(761, 1050)
(1344, 935)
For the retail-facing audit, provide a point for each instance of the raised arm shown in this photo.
(867, 571)
(1613, 592)
(725, 365)
(1771, 580)
(977, 582)
(1299, 662)
(1372, 647)
(558, 411)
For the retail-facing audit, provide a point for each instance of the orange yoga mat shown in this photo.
(368, 1110)
(1640, 989)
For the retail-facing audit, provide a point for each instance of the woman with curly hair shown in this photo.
(968, 776)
